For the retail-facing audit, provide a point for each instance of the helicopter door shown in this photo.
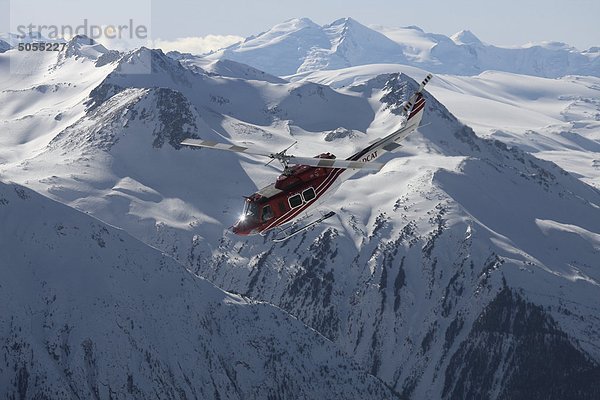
(267, 213)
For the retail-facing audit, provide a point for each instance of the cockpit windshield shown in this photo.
(250, 211)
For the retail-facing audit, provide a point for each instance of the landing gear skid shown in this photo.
(284, 235)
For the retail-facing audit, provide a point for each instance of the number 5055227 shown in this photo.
(41, 46)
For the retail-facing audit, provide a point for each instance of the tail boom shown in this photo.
(414, 107)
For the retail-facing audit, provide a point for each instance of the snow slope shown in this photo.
(90, 312)
(556, 119)
(225, 67)
(460, 244)
(43, 93)
(300, 45)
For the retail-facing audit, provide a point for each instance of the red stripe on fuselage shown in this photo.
(293, 213)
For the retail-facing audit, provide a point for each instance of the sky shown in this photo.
(215, 23)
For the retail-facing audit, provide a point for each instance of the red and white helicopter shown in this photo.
(303, 186)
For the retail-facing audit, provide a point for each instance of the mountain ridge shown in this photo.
(300, 45)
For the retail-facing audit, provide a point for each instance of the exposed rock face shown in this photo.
(515, 350)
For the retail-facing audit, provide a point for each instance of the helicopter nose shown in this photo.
(239, 228)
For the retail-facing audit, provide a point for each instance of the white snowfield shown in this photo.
(400, 280)
(555, 119)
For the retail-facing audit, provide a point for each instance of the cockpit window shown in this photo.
(250, 210)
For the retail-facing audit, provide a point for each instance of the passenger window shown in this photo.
(295, 201)
(267, 213)
(308, 194)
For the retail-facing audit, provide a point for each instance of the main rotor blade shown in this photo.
(311, 161)
(334, 163)
(224, 146)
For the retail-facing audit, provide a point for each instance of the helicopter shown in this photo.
(305, 181)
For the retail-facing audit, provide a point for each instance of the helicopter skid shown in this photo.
(285, 236)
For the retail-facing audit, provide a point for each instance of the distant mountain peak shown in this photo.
(415, 28)
(81, 46)
(82, 39)
(304, 20)
(345, 21)
(4, 46)
(465, 37)
(294, 24)
(348, 23)
(13, 39)
(144, 61)
(557, 45)
(79, 43)
(32, 35)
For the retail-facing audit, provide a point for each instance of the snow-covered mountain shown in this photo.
(90, 312)
(300, 45)
(466, 268)
(4, 46)
(464, 54)
(224, 67)
(14, 39)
